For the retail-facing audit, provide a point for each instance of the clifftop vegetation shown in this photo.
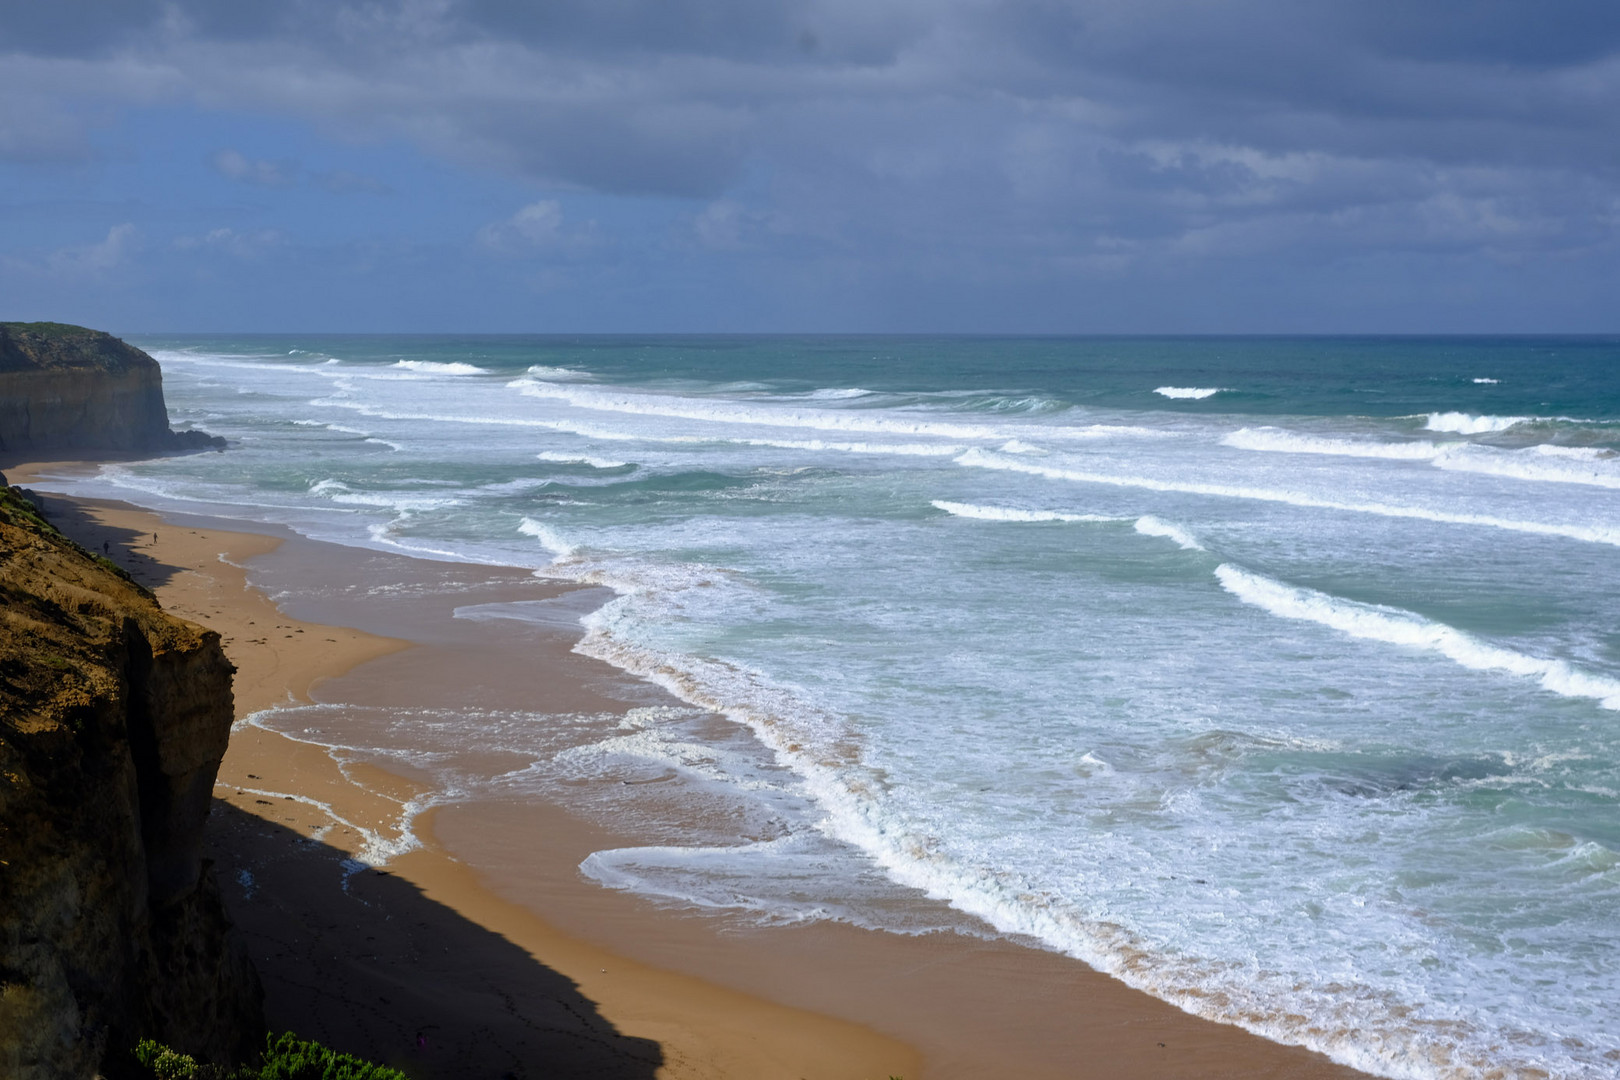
(30, 346)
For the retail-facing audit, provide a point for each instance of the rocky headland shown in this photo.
(68, 388)
(113, 718)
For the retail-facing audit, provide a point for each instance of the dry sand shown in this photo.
(483, 953)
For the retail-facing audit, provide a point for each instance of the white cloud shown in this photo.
(727, 225)
(88, 260)
(535, 227)
(234, 165)
(242, 245)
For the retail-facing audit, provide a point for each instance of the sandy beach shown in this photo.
(483, 951)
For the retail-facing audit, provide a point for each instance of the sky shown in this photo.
(953, 166)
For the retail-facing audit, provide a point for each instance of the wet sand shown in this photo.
(484, 952)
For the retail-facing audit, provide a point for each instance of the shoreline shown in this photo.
(793, 1001)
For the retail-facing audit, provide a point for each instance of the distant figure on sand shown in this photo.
(106, 548)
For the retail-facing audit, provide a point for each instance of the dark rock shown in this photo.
(70, 388)
(113, 719)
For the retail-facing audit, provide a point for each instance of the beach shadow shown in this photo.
(362, 961)
(127, 548)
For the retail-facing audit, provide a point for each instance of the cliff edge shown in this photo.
(70, 388)
(113, 718)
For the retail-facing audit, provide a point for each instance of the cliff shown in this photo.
(113, 720)
(68, 388)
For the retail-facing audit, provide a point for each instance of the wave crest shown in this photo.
(1189, 393)
(1394, 626)
(434, 367)
(1468, 424)
(1008, 513)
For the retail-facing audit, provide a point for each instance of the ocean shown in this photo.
(1278, 677)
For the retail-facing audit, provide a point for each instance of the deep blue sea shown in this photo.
(1278, 677)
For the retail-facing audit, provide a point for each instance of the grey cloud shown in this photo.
(49, 105)
(74, 27)
(1102, 134)
(1490, 31)
(646, 96)
(752, 31)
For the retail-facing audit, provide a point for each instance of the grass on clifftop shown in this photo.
(285, 1058)
(48, 329)
(16, 509)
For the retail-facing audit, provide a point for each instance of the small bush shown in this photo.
(166, 1064)
(285, 1058)
(291, 1058)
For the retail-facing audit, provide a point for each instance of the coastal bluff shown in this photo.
(113, 719)
(69, 388)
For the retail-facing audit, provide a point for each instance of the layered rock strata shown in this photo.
(68, 388)
(113, 718)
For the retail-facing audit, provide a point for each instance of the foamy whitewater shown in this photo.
(1294, 702)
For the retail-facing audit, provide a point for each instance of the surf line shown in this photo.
(1396, 626)
(981, 459)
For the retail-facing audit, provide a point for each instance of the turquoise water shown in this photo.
(1279, 677)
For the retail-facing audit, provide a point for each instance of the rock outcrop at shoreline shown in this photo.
(70, 388)
(113, 718)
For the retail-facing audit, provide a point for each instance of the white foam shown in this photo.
(580, 459)
(1488, 382)
(981, 459)
(1007, 513)
(557, 612)
(1059, 915)
(1468, 424)
(595, 431)
(542, 371)
(549, 538)
(1278, 441)
(712, 411)
(377, 848)
(1347, 1021)
(239, 362)
(839, 394)
(365, 436)
(339, 492)
(434, 367)
(1148, 525)
(1393, 626)
(1542, 463)
(1193, 393)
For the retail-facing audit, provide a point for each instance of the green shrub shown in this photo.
(291, 1058)
(166, 1064)
(285, 1058)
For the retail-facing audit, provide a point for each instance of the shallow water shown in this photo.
(1278, 677)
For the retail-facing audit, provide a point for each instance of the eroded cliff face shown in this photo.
(69, 388)
(113, 720)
